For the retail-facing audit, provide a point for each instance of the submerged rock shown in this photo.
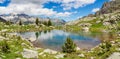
(27, 53)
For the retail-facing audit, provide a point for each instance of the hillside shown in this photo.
(109, 7)
(2, 20)
(103, 18)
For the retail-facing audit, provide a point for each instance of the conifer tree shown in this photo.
(49, 23)
(37, 21)
(20, 22)
(69, 46)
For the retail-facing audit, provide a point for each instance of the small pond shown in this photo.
(54, 39)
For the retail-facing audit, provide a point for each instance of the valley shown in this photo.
(95, 36)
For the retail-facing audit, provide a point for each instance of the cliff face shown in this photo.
(109, 7)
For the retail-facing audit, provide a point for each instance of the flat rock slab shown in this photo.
(27, 53)
(115, 55)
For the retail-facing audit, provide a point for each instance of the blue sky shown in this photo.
(63, 9)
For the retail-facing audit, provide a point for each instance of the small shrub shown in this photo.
(69, 46)
(4, 47)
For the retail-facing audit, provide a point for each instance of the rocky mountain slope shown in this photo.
(26, 19)
(108, 11)
(109, 7)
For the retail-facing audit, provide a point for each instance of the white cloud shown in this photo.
(29, 1)
(1, 1)
(31, 9)
(35, 7)
(63, 14)
(68, 4)
(111, 0)
(95, 9)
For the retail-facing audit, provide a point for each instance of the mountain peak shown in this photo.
(109, 7)
(15, 18)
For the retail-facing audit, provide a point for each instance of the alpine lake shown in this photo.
(54, 39)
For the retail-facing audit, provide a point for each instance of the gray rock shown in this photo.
(115, 55)
(106, 24)
(98, 22)
(31, 39)
(77, 48)
(59, 56)
(81, 55)
(27, 53)
(49, 51)
(1, 38)
(85, 29)
(18, 58)
(92, 58)
(85, 25)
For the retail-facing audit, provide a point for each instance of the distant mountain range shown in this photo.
(26, 19)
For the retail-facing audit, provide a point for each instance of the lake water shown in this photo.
(54, 39)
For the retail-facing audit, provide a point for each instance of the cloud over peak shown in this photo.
(95, 9)
(68, 4)
(36, 7)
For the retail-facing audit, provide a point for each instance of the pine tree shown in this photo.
(20, 22)
(69, 46)
(37, 21)
(49, 23)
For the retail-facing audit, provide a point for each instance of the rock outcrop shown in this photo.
(109, 7)
(27, 53)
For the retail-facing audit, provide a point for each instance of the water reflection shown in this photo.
(54, 39)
